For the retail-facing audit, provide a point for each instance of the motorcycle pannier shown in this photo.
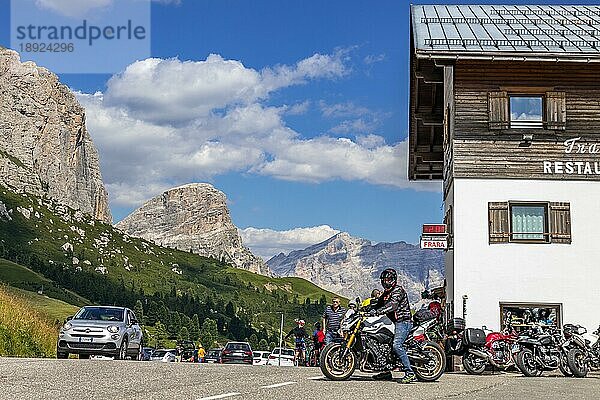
(423, 315)
(474, 337)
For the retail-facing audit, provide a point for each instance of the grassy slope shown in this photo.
(53, 309)
(24, 332)
(50, 226)
(21, 277)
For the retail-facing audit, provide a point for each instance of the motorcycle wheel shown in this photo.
(526, 363)
(331, 364)
(576, 360)
(473, 364)
(434, 368)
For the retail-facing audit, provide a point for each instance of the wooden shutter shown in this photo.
(498, 115)
(498, 222)
(556, 111)
(560, 223)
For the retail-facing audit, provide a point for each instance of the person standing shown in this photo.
(201, 354)
(331, 319)
(393, 303)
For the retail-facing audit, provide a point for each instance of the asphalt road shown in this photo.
(108, 379)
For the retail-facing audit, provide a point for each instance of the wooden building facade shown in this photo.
(505, 110)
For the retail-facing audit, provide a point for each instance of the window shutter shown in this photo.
(498, 110)
(498, 222)
(556, 110)
(560, 223)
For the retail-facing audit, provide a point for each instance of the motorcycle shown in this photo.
(584, 350)
(367, 344)
(480, 350)
(541, 349)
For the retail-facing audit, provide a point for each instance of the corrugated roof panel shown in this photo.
(534, 30)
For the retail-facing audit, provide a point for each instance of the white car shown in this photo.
(285, 359)
(163, 355)
(261, 357)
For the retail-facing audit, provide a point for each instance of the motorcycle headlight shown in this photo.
(67, 326)
(113, 329)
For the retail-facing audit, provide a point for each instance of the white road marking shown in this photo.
(219, 396)
(316, 378)
(277, 385)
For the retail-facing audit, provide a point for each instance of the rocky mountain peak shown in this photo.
(350, 266)
(45, 148)
(193, 217)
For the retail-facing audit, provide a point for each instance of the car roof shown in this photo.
(238, 343)
(114, 307)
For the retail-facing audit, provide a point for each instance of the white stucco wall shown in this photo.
(517, 272)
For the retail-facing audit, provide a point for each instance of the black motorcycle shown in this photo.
(583, 354)
(367, 345)
(540, 349)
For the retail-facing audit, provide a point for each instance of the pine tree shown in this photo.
(184, 334)
(263, 345)
(253, 340)
(195, 327)
(138, 310)
(209, 333)
(160, 335)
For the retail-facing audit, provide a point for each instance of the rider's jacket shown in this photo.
(394, 304)
(299, 333)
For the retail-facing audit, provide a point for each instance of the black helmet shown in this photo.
(388, 278)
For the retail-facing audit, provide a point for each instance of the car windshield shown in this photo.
(238, 346)
(159, 353)
(285, 352)
(100, 314)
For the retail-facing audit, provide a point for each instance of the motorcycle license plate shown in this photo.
(515, 348)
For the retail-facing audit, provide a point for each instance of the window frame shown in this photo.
(541, 124)
(510, 304)
(546, 233)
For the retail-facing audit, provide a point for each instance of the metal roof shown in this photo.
(503, 31)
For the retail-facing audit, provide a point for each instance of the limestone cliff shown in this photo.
(45, 148)
(193, 217)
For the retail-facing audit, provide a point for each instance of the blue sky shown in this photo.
(350, 95)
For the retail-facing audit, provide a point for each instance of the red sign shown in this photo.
(434, 229)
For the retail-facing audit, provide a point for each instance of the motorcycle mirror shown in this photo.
(357, 301)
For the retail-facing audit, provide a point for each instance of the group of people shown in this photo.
(392, 302)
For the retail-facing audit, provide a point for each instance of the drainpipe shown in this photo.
(464, 306)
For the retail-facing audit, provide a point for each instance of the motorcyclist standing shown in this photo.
(393, 302)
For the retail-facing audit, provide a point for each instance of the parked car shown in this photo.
(237, 352)
(147, 353)
(213, 356)
(101, 330)
(163, 355)
(261, 357)
(187, 351)
(286, 357)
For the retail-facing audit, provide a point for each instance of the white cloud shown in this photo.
(163, 123)
(174, 91)
(348, 109)
(73, 8)
(373, 59)
(268, 242)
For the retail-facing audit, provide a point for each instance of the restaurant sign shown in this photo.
(575, 146)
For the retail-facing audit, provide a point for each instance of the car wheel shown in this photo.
(122, 354)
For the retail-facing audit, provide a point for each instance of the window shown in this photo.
(521, 316)
(526, 112)
(527, 222)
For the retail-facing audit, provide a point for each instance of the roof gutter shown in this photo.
(547, 57)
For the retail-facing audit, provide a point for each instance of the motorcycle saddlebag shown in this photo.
(474, 337)
(423, 315)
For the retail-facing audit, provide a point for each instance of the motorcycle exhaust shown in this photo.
(480, 354)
